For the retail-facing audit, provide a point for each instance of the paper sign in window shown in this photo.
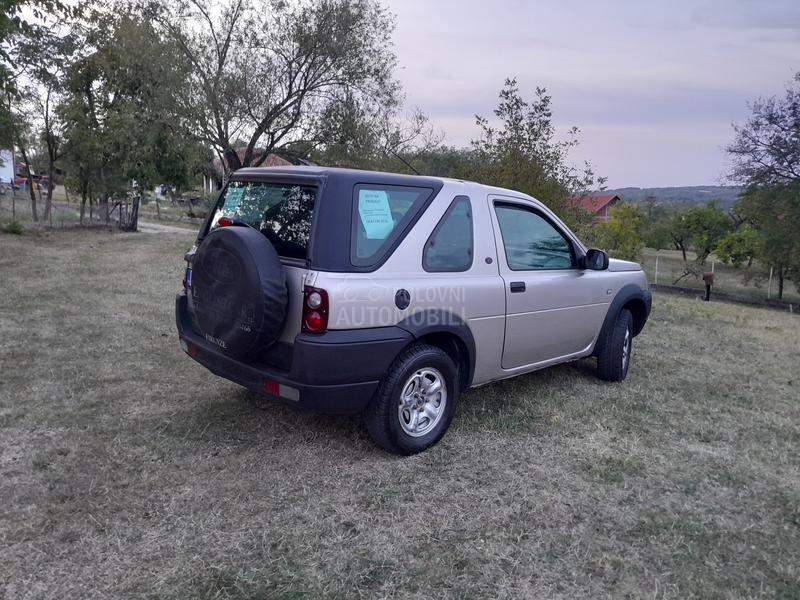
(375, 214)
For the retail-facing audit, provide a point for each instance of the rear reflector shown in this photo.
(273, 388)
(188, 348)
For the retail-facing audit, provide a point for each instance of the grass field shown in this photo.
(127, 470)
(750, 282)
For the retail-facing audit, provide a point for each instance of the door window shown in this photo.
(531, 242)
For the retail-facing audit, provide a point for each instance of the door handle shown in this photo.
(517, 287)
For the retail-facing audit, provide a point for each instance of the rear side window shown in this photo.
(380, 216)
(450, 246)
(282, 212)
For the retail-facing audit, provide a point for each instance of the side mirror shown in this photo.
(595, 260)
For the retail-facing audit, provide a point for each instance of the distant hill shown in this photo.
(725, 195)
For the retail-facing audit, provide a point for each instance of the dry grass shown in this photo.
(127, 470)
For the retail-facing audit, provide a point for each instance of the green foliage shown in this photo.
(655, 224)
(621, 236)
(13, 227)
(25, 25)
(766, 158)
(120, 110)
(273, 73)
(740, 247)
(522, 151)
(705, 226)
(774, 212)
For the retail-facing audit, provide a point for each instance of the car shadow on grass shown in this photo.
(534, 402)
(528, 402)
(240, 417)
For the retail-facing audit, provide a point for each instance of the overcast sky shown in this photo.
(653, 86)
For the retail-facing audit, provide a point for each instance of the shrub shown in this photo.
(13, 227)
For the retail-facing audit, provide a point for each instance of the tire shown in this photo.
(238, 296)
(403, 423)
(614, 357)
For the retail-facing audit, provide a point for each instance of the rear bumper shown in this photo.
(335, 373)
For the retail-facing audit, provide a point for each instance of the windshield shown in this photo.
(282, 212)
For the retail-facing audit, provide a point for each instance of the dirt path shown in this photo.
(150, 227)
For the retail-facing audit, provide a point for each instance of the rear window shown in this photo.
(380, 215)
(282, 212)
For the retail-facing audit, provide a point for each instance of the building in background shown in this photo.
(6, 167)
(213, 183)
(597, 206)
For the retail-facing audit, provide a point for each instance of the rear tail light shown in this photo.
(224, 222)
(315, 310)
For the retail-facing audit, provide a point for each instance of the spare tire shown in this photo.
(238, 295)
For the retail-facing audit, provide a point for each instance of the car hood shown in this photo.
(615, 264)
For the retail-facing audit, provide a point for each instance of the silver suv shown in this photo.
(386, 295)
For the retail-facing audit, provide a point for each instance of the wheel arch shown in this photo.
(633, 298)
(448, 331)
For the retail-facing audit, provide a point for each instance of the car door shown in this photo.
(553, 308)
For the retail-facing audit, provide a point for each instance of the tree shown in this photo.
(21, 22)
(656, 224)
(706, 226)
(679, 232)
(766, 158)
(774, 212)
(20, 128)
(522, 151)
(120, 110)
(766, 149)
(351, 136)
(267, 72)
(621, 235)
(740, 246)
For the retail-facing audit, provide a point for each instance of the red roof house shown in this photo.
(597, 206)
(210, 184)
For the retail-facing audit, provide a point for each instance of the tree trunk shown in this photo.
(780, 282)
(48, 205)
(158, 208)
(34, 212)
(232, 160)
(680, 246)
(83, 205)
(104, 207)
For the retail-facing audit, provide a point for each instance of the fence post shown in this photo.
(769, 286)
(656, 277)
(713, 262)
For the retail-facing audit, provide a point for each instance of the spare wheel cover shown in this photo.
(238, 291)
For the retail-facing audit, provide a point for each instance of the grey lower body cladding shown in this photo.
(335, 373)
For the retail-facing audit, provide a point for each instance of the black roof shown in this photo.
(342, 176)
